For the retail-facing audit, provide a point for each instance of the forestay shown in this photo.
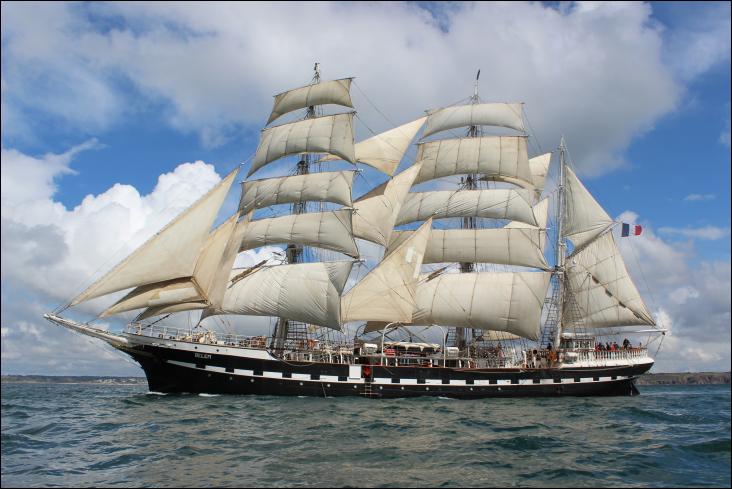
(306, 292)
(509, 204)
(493, 114)
(171, 253)
(331, 134)
(492, 156)
(601, 293)
(330, 92)
(320, 187)
(385, 150)
(510, 301)
(330, 230)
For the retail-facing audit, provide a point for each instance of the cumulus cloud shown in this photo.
(45, 244)
(597, 68)
(50, 252)
(692, 300)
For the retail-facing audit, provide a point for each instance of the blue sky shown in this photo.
(641, 92)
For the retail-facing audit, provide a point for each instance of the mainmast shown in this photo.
(469, 182)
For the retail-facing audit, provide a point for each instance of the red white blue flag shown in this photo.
(637, 229)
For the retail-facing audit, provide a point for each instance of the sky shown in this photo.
(116, 116)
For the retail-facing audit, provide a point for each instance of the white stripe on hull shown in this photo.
(385, 381)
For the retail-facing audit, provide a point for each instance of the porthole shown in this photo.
(327, 385)
(251, 380)
(426, 388)
(300, 383)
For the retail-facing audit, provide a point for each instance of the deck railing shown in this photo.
(222, 339)
(622, 354)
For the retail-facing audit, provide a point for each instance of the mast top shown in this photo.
(475, 91)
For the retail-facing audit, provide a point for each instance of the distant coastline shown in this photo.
(685, 378)
(71, 379)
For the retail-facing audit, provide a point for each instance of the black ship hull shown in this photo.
(177, 370)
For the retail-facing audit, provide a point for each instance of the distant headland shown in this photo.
(687, 378)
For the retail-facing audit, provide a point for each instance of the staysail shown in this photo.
(601, 292)
(386, 293)
(584, 218)
(376, 212)
(171, 253)
(384, 151)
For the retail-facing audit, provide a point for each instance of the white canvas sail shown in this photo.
(510, 302)
(386, 293)
(539, 166)
(600, 290)
(157, 294)
(306, 292)
(375, 213)
(336, 92)
(211, 275)
(169, 254)
(492, 156)
(331, 230)
(494, 203)
(331, 134)
(584, 218)
(385, 150)
(508, 246)
(492, 114)
(189, 289)
(318, 187)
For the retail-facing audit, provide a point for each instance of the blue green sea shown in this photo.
(105, 435)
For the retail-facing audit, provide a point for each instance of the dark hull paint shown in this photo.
(198, 377)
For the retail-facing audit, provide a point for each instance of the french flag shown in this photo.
(637, 229)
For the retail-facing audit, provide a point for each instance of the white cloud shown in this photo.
(699, 197)
(700, 41)
(689, 298)
(706, 232)
(596, 67)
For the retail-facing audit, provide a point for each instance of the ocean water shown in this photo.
(91, 435)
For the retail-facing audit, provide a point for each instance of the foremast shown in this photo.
(294, 251)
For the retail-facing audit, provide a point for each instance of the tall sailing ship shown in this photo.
(462, 303)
